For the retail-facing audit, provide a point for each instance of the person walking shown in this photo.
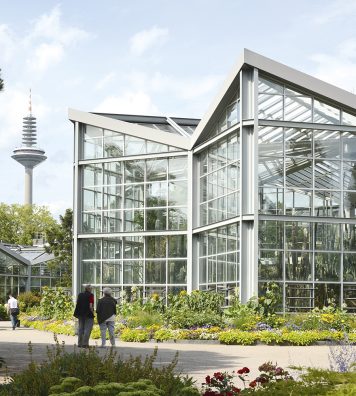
(84, 312)
(106, 311)
(13, 310)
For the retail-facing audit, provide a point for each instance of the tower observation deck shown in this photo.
(28, 154)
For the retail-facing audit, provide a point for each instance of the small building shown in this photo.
(261, 189)
(25, 268)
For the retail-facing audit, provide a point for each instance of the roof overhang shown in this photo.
(129, 128)
(14, 255)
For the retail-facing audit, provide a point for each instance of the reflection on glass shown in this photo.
(327, 174)
(269, 87)
(177, 168)
(133, 247)
(156, 169)
(133, 272)
(349, 175)
(349, 236)
(298, 266)
(177, 271)
(349, 145)
(156, 246)
(92, 175)
(350, 204)
(134, 171)
(348, 119)
(112, 173)
(134, 145)
(270, 265)
(111, 272)
(177, 193)
(156, 219)
(112, 221)
(324, 293)
(297, 108)
(113, 144)
(134, 220)
(91, 222)
(270, 107)
(91, 272)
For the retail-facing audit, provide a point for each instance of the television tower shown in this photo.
(28, 154)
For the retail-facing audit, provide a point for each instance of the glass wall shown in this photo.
(219, 258)
(102, 143)
(277, 101)
(153, 263)
(304, 172)
(220, 180)
(145, 195)
(44, 274)
(13, 276)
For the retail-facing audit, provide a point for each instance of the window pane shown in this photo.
(325, 114)
(156, 169)
(177, 193)
(327, 203)
(270, 265)
(177, 246)
(177, 271)
(91, 272)
(111, 272)
(92, 199)
(133, 247)
(298, 142)
(327, 144)
(298, 109)
(178, 168)
(156, 194)
(298, 202)
(91, 222)
(156, 246)
(349, 232)
(155, 271)
(92, 175)
(324, 293)
(270, 200)
(298, 266)
(112, 173)
(349, 204)
(349, 175)
(350, 268)
(112, 197)
(134, 220)
(298, 235)
(153, 147)
(134, 171)
(177, 219)
(349, 145)
(299, 172)
(327, 266)
(134, 196)
(133, 272)
(112, 221)
(270, 107)
(267, 86)
(134, 145)
(270, 234)
(156, 219)
(327, 236)
(270, 172)
(270, 141)
(113, 144)
(327, 174)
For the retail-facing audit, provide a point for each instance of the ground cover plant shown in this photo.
(87, 370)
(200, 316)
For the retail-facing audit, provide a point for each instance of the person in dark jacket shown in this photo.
(84, 312)
(106, 311)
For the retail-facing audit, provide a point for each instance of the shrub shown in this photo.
(237, 337)
(94, 372)
(164, 334)
(144, 319)
(134, 335)
(28, 300)
(186, 319)
(56, 303)
(3, 313)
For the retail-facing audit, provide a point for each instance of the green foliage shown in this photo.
(197, 301)
(55, 326)
(3, 314)
(73, 386)
(144, 319)
(56, 303)
(186, 319)
(270, 301)
(59, 238)
(28, 300)
(95, 371)
(20, 223)
(237, 338)
(134, 335)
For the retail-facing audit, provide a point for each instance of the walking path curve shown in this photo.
(196, 360)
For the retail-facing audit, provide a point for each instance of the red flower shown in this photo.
(207, 379)
(236, 390)
(244, 370)
(252, 384)
(240, 371)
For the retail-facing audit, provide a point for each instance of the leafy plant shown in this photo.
(134, 335)
(3, 313)
(56, 303)
(28, 300)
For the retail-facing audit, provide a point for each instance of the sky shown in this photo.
(157, 57)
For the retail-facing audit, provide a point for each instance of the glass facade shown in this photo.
(266, 192)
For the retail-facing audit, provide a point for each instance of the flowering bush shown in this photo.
(222, 384)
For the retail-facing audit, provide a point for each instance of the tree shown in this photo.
(1, 82)
(59, 238)
(19, 224)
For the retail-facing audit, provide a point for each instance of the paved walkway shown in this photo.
(196, 360)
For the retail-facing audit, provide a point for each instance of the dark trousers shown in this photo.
(14, 321)
(84, 330)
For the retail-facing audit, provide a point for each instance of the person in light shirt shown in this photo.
(13, 310)
(106, 311)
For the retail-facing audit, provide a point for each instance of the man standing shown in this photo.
(106, 311)
(84, 312)
(13, 310)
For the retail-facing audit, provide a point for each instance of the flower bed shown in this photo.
(283, 336)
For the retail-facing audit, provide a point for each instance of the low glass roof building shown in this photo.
(261, 189)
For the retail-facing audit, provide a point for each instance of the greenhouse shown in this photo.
(261, 189)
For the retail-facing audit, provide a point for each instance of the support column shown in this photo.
(191, 263)
(28, 185)
(76, 216)
(249, 185)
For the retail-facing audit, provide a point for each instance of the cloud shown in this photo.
(7, 43)
(49, 39)
(337, 9)
(45, 55)
(147, 39)
(137, 102)
(110, 77)
(338, 68)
